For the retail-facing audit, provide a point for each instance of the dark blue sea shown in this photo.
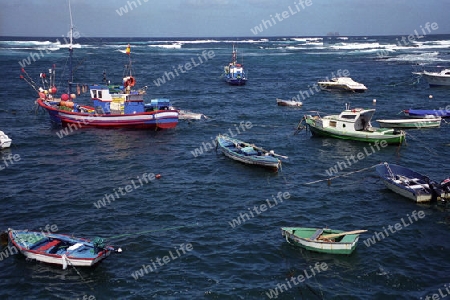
(191, 214)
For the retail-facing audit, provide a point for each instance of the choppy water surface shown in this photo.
(187, 214)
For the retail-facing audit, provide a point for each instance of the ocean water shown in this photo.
(191, 213)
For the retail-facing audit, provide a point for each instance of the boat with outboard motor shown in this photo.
(413, 185)
(60, 249)
(351, 124)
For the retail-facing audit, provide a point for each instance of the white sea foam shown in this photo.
(167, 46)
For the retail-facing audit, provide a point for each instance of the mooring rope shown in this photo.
(418, 140)
(346, 174)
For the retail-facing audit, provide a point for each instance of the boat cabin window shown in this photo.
(349, 117)
(332, 123)
(99, 93)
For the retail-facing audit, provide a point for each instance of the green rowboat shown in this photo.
(322, 240)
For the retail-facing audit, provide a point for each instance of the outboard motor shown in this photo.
(445, 186)
(434, 188)
(99, 244)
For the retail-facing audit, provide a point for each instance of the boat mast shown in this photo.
(234, 58)
(128, 52)
(70, 51)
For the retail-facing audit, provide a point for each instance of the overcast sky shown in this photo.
(222, 18)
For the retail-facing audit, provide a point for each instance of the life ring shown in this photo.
(130, 81)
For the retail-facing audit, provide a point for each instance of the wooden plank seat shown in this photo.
(419, 186)
(316, 234)
(49, 245)
(349, 238)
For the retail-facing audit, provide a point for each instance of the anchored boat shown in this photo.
(5, 141)
(248, 153)
(60, 249)
(281, 102)
(441, 78)
(410, 123)
(342, 84)
(234, 71)
(411, 184)
(352, 124)
(427, 113)
(113, 106)
(322, 240)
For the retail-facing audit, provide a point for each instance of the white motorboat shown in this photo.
(351, 124)
(281, 102)
(343, 84)
(5, 141)
(436, 78)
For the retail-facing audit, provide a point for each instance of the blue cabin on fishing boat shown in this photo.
(115, 99)
(158, 104)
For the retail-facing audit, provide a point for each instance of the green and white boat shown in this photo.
(411, 123)
(352, 124)
(322, 240)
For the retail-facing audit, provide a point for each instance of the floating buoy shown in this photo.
(158, 176)
(374, 101)
(431, 96)
(64, 97)
(66, 103)
(54, 90)
(73, 96)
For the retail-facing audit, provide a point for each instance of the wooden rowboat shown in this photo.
(411, 123)
(59, 249)
(248, 153)
(322, 240)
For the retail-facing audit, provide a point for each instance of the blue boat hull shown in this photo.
(234, 81)
(421, 113)
(246, 154)
(409, 183)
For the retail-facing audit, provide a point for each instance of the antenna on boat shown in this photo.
(70, 51)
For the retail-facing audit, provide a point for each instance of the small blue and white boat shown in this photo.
(5, 141)
(411, 184)
(248, 153)
(234, 72)
(427, 113)
(60, 249)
